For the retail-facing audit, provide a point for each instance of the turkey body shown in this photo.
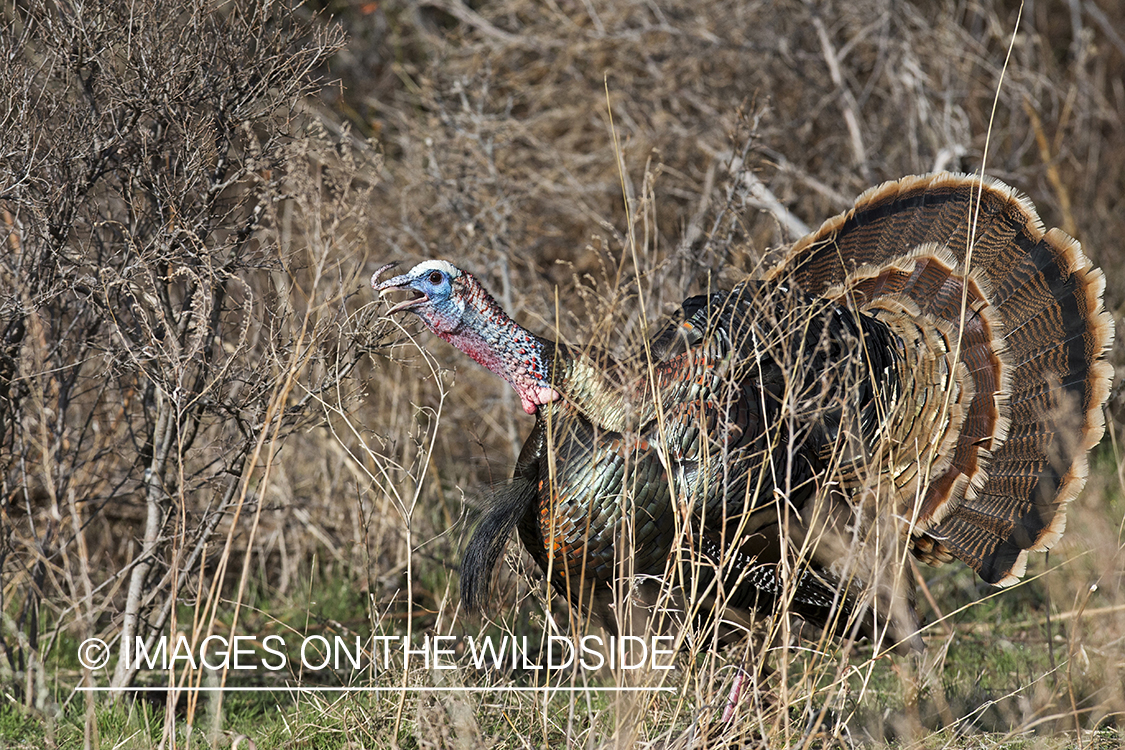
(924, 374)
(700, 463)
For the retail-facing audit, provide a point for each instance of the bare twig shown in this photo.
(848, 104)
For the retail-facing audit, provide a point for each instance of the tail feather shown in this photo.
(996, 559)
(1031, 377)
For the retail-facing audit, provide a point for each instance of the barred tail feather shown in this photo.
(1032, 343)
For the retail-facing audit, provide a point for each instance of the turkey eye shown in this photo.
(436, 277)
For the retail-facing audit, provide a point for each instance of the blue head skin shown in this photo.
(455, 306)
(439, 306)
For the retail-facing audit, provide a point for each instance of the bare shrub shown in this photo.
(175, 232)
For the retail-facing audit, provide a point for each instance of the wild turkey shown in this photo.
(784, 442)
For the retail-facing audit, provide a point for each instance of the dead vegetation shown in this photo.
(182, 311)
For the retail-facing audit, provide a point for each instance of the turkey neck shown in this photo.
(497, 342)
(540, 371)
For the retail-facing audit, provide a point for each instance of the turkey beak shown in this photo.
(395, 284)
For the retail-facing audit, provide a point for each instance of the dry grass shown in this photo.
(735, 123)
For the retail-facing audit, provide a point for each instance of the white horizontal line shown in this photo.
(105, 689)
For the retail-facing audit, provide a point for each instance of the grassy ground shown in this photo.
(1001, 676)
(532, 143)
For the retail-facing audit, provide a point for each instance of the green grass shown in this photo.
(18, 728)
(997, 677)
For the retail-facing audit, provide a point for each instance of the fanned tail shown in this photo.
(1008, 320)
